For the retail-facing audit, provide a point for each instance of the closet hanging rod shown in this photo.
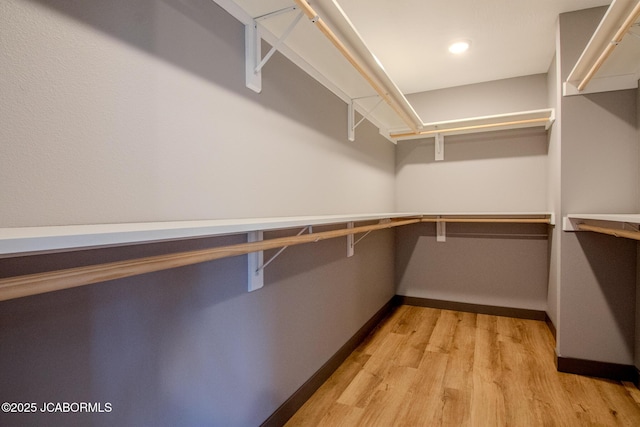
(617, 38)
(635, 235)
(32, 284)
(491, 220)
(471, 127)
(402, 107)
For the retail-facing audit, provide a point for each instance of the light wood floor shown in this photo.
(428, 367)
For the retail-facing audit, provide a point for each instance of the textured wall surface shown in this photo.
(501, 171)
(136, 111)
(127, 111)
(187, 346)
(486, 172)
(503, 265)
(600, 174)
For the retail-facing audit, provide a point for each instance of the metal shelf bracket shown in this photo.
(351, 118)
(254, 261)
(253, 49)
(441, 230)
(256, 264)
(439, 147)
(351, 244)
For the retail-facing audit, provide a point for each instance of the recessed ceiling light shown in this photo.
(459, 46)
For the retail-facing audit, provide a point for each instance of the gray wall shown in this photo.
(483, 172)
(189, 346)
(503, 265)
(503, 171)
(137, 111)
(482, 99)
(600, 174)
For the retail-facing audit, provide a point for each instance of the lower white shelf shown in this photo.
(20, 241)
(27, 240)
(24, 241)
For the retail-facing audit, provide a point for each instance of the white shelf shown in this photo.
(489, 214)
(610, 59)
(522, 119)
(617, 225)
(633, 218)
(25, 240)
(571, 221)
(19, 241)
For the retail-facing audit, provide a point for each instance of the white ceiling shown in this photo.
(509, 38)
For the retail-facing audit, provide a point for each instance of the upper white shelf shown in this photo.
(339, 59)
(611, 59)
(523, 119)
(24, 240)
(312, 51)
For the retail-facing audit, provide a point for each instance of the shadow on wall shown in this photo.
(476, 146)
(187, 346)
(613, 104)
(613, 263)
(149, 345)
(153, 26)
(200, 37)
(294, 261)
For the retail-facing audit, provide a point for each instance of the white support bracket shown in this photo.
(253, 48)
(253, 53)
(441, 231)
(570, 224)
(254, 261)
(551, 121)
(351, 244)
(361, 238)
(439, 147)
(282, 249)
(351, 118)
(256, 264)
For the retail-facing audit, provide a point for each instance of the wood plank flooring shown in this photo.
(429, 367)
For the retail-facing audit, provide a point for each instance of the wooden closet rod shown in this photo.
(414, 123)
(491, 220)
(635, 235)
(617, 38)
(465, 128)
(32, 284)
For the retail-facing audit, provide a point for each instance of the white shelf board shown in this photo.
(489, 214)
(620, 70)
(16, 241)
(633, 218)
(570, 222)
(522, 119)
(534, 215)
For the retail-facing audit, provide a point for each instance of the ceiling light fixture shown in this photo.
(459, 46)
